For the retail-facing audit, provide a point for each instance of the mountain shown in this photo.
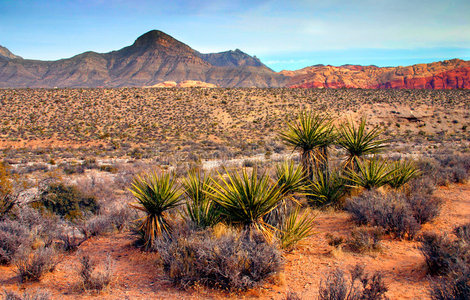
(447, 74)
(153, 58)
(5, 53)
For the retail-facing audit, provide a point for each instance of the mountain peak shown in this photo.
(155, 37)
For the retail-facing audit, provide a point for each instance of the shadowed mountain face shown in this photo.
(153, 58)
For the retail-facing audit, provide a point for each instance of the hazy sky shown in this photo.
(283, 34)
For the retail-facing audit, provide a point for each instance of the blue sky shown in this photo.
(283, 34)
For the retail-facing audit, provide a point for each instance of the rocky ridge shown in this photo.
(447, 74)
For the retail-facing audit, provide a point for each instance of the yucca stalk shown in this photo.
(244, 200)
(311, 134)
(156, 195)
(404, 171)
(370, 174)
(290, 178)
(200, 208)
(295, 228)
(358, 142)
(326, 191)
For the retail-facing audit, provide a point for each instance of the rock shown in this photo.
(448, 74)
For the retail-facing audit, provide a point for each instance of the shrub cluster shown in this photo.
(360, 286)
(450, 260)
(36, 295)
(229, 260)
(389, 211)
(446, 168)
(95, 277)
(66, 201)
(32, 265)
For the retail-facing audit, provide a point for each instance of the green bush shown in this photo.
(66, 201)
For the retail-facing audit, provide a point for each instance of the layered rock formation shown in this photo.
(154, 57)
(448, 74)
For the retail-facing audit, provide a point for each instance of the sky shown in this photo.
(285, 35)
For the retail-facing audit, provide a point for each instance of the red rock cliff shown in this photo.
(448, 74)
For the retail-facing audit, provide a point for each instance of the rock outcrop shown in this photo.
(448, 74)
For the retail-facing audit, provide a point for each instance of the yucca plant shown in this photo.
(290, 178)
(295, 228)
(200, 208)
(370, 173)
(156, 195)
(325, 191)
(311, 134)
(244, 199)
(358, 142)
(404, 171)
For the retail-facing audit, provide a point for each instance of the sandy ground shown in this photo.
(139, 277)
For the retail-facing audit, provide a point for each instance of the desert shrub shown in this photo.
(451, 259)
(33, 264)
(463, 233)
(13, 235)
(45, 228)
(441, 253)
(230, 260)
(96, 225)
(365, 240)
(424, 207)
(292, 296)
(446, 168)
(422, 185)
(453, 287)
(70, 168)
(36, 295)
(360, 286)
(70, 241)
(121, 218)
(7, 202)
(93, 276)
(6, 184)
(66, 201)
(389, 211)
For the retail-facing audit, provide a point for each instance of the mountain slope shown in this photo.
(448, 74)
(153, 58)
(5, 53)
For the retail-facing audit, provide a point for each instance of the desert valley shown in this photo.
(160, 172)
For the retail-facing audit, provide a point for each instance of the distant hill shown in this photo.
(447, 74)
(154, 57)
